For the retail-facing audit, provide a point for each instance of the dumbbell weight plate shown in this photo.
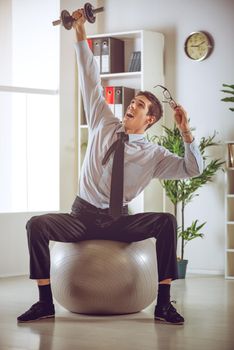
(66, 19)
(89, 15)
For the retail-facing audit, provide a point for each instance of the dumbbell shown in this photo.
(67, 20)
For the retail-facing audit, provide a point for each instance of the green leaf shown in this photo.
(228, 99)
(230, 86)
(191, 232)
(228, 91)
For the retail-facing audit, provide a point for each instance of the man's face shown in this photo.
(136, 119)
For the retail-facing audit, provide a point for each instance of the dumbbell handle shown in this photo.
(99, 9)
(58, 21)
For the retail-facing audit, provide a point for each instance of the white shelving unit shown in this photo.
(229, 224)
(151, 45)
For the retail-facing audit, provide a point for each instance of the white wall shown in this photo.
(13, 244)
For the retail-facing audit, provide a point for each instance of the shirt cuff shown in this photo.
(194, 149)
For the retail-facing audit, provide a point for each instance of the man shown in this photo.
(92, 216)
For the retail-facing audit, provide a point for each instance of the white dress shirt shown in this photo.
(143, 160)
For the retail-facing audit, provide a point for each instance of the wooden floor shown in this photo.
(207, 303)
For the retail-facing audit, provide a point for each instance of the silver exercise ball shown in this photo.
(104, 277)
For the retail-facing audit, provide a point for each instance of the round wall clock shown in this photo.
(198, 45)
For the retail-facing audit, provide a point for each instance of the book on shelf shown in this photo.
(135, 62)
(118, 99)
(108, 53)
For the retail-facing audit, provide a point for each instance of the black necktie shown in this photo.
(116, 193)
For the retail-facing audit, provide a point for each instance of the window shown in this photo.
(29, 104)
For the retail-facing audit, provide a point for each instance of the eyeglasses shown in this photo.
(168, 97)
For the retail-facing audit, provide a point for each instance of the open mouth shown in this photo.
(130, 116)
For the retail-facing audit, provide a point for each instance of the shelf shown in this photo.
(121, 35)
(133, 41)
(121, 75)
(230, 238)
(229, 213)
(230, 209)
(230, 183)
(230, 263)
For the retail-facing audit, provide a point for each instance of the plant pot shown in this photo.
(182, 267)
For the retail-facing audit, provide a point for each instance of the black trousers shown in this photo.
(86, 222)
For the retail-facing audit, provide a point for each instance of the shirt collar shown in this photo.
(132, 137)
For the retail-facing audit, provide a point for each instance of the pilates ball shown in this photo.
(104, 277)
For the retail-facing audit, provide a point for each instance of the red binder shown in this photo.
(110, 97)
(90, 43)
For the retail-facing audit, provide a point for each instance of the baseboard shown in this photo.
(14, 275)
(205, 272)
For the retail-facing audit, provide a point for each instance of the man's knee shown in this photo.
(169, 224)
(171, 219)
(36, 226)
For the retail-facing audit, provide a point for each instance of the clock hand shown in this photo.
(198, 44)
(201, 43)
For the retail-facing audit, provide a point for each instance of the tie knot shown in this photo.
(124, 137)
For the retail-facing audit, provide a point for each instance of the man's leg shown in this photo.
(40, 230)
(161, 226)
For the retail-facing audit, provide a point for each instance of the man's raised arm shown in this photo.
(95, 105)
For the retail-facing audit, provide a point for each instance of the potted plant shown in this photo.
(183, 191)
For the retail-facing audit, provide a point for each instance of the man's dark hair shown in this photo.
(155, 107)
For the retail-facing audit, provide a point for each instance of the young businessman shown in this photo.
(91, 216)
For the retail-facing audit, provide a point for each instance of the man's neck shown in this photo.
(128, 131)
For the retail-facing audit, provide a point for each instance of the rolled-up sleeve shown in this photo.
(170, 166)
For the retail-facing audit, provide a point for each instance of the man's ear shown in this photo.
(151, 119)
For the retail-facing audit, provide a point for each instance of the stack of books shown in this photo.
(135, 62)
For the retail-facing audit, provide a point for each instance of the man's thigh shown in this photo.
(130, 228)
(60, 227)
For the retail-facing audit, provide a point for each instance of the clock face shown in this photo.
(198, 46)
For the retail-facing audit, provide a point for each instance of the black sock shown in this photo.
(45, 294)
(163, 294)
